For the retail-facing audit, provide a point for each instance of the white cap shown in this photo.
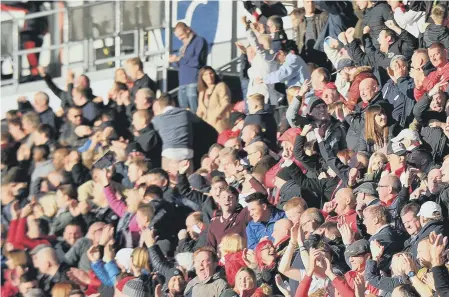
(428, 209)
(407, 134)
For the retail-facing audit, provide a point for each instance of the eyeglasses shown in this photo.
(379, 186)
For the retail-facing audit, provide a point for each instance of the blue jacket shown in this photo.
(195, 58)
(255, 231)
(293, 72)
(107, 273)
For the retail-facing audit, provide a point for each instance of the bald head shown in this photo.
(368, 89)
(281, 230)
(345, 200)
(249, 132)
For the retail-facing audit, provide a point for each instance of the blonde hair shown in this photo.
(373, 157)
(18, 257)
(61, 289)
(140, 258)
(258, 98)
(295, 202)
(397, 263)
(231, 243)
(265, 41)
(291, 93)
(439, 13)
(49, 205)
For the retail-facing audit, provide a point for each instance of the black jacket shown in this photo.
(433, 136)
(48, 117)
(436, 33)
(386, 284)
(141, 83)
(189, 245)
(158, 261)
(393, 243)
(375, 18)
(90, 112)
(289, 190)
(151, 144)
(311, 163)
(443, 201)
(400, 95)
(78, 175)
(267, 123)
(441, 278)
(203, 202)
(356, 120)
(437, 226)
(322, 188)
(404, 45)
(368, 146)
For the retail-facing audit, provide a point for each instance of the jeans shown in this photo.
(188, 97)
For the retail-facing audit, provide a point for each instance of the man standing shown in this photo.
(175, 126)
(134, 69)
(191, 58)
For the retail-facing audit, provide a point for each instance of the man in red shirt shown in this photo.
(357, 253)
(343, 205)
(438, 58)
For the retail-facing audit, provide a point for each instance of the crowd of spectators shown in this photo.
(331, 178)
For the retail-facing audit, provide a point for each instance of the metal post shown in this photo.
(66, 38)
(234, 23)
(17, 65)
(118, 26)
(168, 43)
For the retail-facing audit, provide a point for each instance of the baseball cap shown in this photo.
(345, 62)
(421, 159)
(407, 134)
(396, 148)
(133, 147)
(428, 210)
(357, 248)
(173, 272)
(315, 101)
(367, 188)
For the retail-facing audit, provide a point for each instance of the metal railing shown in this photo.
(224, 69)
(81, 29)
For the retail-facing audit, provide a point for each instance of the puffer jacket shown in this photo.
(356, 120)
(436, 33)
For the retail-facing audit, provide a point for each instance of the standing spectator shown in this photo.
(147, 137)
(90, 109)
(437, 32)
(46, 114)
(275, 27)
(375, 14)
(263, 118)
(262, 10)
(214, 101)
(308, 23)
(191, 58)
(134, 69)
(175, 126)
(408, 17)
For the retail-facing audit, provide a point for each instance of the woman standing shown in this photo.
(214, 100)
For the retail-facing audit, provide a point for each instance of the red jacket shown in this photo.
(21, 240)
(431, 80)
(350, 218)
